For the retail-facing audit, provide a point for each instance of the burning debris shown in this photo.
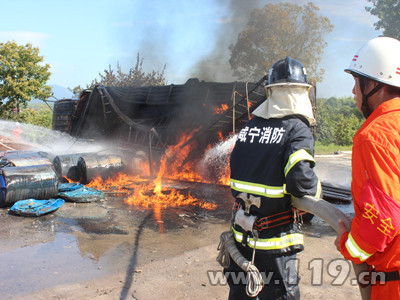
(158, 135)
(221, 109)
(104, 174)
(151, 142)
(144, 192)
(158, 140)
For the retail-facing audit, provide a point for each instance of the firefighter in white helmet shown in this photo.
(17, 131)
(374, 236)
(271, 161)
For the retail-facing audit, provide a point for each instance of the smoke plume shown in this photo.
(216, 67)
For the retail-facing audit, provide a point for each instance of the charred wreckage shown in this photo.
(143, 123)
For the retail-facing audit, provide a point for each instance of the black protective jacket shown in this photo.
(273, 159)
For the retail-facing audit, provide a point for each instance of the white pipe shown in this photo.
(331, 214)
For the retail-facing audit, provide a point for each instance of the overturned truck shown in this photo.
(150, 118)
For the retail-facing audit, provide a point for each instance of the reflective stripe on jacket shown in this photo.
(258, 189)
(276, 243)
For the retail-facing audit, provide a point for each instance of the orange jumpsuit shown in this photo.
(17, 132)
(376, 158)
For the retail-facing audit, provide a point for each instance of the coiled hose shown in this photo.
(227, 250)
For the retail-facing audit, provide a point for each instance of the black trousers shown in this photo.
(279, 272)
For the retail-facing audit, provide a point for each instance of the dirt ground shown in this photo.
(184, 276)
(111, 250)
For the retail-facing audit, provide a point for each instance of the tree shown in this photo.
(337, 121)
(23, 76)
(135, 77)
(39, 115)
(388, 12)
(277, 31)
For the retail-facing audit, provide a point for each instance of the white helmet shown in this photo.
(379, 60)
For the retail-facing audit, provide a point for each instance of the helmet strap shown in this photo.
(366, 110)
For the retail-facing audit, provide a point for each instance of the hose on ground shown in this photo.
(227, 250)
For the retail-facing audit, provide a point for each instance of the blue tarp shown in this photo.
(67, 187)
(82, 194)
(36, 208)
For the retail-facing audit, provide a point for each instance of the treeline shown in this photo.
(35, 114)
(338, 119)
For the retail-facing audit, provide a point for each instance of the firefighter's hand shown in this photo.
(299, 212)
(342, 230)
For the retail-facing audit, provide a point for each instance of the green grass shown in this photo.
(330, 149)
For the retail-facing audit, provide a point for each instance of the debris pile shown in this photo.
(33, 183)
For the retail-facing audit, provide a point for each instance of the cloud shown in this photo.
(353, 10)
(37, 39)
(57, 67)
(238, 20)
(128, 24)
(351, 39)
(122, 54)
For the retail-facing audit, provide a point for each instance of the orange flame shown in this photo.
(174, 165)
(222, 108)
(119, 180)
(145, 196)
(225, 177)
(69, 180)
(152, 194)
(220, 135)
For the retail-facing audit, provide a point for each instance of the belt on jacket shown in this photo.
(274, 220)
(387, 276)
(379, 277)
(271, 221)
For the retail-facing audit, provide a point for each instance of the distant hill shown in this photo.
(60, 92)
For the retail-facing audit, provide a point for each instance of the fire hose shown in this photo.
(227, 250)
(316, 206)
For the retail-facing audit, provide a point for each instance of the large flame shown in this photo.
(174, 164)
(151, 193)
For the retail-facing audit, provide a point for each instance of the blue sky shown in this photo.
(79, 39)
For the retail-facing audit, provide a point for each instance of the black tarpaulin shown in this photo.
(129, 113)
